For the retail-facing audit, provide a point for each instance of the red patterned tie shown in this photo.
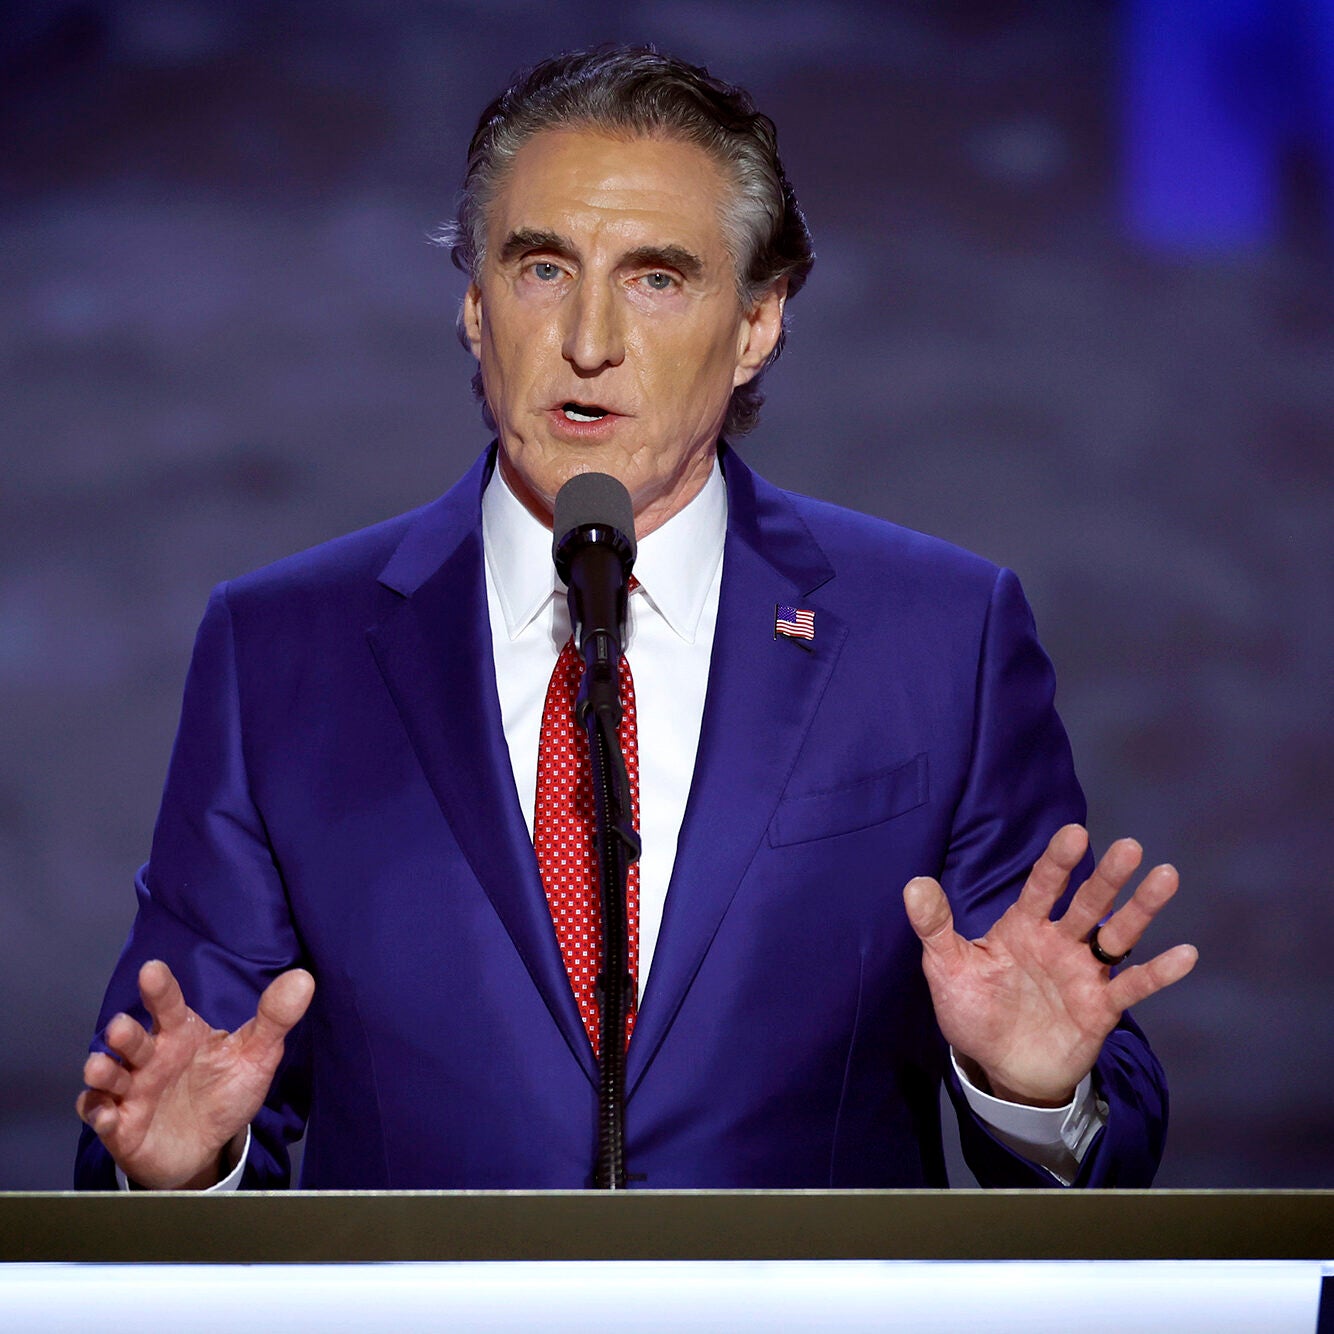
(564, 833)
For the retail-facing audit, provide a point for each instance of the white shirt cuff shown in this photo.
(1054, 1138)
(232, 1181)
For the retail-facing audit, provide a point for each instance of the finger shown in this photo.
(1135, 984)
(1051, 872)
(1121, 932)
(1094, 898)
(104, 1075)
(129, 1040)
(162, 996)
(97, 1111)
(930, 916)
(281, 1006)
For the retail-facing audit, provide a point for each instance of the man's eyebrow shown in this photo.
(685, 262)
(527, 239)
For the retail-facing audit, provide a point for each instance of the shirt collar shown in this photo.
(675, 564)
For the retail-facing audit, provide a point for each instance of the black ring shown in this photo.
(1111, 960)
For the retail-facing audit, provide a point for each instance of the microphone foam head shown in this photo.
(593, 499)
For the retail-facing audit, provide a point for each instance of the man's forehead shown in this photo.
(573, 180)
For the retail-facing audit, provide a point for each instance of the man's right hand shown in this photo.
(179, 1095)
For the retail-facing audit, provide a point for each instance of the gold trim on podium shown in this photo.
(337, 1227)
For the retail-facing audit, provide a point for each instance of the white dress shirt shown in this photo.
(668, 642)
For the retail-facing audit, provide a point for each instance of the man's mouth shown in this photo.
(582, 412)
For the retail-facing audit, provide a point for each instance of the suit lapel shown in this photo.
(433, 648)
(762, 696)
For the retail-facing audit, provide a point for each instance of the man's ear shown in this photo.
(471, 319)
(761, 328)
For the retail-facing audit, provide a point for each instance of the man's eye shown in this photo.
(659, 282)
(545, 271)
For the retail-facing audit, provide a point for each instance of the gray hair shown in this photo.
(637, 90)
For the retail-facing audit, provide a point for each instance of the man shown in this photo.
(347, 827)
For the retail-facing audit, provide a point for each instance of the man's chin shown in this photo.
(537, 487)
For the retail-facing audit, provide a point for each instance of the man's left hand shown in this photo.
(1028, 1006)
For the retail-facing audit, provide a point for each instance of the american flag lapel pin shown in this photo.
(795, 623)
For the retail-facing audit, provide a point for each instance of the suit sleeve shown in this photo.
(211, 902)
(1021, 788)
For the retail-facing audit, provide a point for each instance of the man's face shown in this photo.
(607, 321)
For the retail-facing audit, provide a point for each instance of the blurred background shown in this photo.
(1073, 309)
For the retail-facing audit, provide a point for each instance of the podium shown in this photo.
(798, 1260)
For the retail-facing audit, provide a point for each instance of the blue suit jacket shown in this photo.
(340, 796)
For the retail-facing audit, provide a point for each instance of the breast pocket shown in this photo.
(842, 810)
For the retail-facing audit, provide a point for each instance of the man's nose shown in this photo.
(594, 337)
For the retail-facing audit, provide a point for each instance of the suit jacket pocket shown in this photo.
(859, 805)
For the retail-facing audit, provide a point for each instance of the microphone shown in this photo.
(593, 545)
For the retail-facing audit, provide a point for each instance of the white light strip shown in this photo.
(854, 1295)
